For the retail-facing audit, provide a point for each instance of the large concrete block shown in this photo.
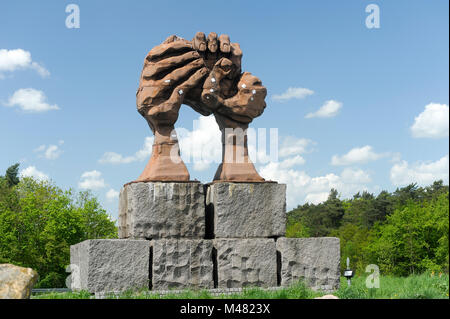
(101, 265)
(156, 210)
(316, 260)
(247, 210)
(182, 263)
(246, 262)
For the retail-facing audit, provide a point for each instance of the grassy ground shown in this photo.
(425, 286)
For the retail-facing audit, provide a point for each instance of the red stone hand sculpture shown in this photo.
(174, 73)
(233, 114)
(170, 71)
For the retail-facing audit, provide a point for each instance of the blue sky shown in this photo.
(67, 96)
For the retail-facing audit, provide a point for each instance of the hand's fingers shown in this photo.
(193, 80)
(249, 102)
(211, 100)
(214, 80)
(152, 69)
(212, 94)
(236, 50)
(171, 39)
(236, 57)
(181, 90)
(224, 41)
(222, 68)
(179, 75)
(174, 38)
(199, 42)
(212, 42)
(148, 96)
(153, 92)
(166, 49)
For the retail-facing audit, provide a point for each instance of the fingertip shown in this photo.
(171, 39)
(236, 49)
(212, 42)
(200, 41)
(224, 40)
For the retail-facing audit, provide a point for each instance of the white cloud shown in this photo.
(355, 176)
(303, 188)
(422, 173)
(40, 148)
(357, 155)
(112, 194)
(50, 152)
(32, 171)
(30, 100)
(292, 161)
(329, 109)
(11, 60)
(432, 122)
(202, 146)
(139, 156)
(316, 198)
(293, 93)
(294, 146)
(91, 180)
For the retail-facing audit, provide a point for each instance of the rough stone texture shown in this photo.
(316, 260)
(16, 282)
(156, 210)
(247, 210)
(246, 262)
(206, 74)
(183, 263)
(110, 265)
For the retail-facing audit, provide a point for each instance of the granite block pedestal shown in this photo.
(99, 265)
(247, 210)
(189, 235)
(162, 210)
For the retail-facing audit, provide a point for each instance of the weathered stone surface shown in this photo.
(246, 262)
(110, 265)
(156, 210)
(16, 282)
(247, 210)
(204, 73)
(182, 263)
(316, 260)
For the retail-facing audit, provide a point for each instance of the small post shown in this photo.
(348, 273)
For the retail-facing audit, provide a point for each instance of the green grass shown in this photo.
(424, 286)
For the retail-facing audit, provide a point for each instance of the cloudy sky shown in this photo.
(355, 108)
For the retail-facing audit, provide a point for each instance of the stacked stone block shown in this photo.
(189, 235)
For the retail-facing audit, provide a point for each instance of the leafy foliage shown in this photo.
(404, 232)
(39, 222)
(12, 175)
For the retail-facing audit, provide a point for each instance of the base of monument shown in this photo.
(246, 210)
(112, 265)
(155, 210)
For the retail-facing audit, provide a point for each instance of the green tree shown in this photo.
(297, 230)
(38, 230)
(12, 175)
(353, 240)
(320, 219)
(413, 239)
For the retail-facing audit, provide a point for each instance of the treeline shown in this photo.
(404, 232)
(39, 222)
